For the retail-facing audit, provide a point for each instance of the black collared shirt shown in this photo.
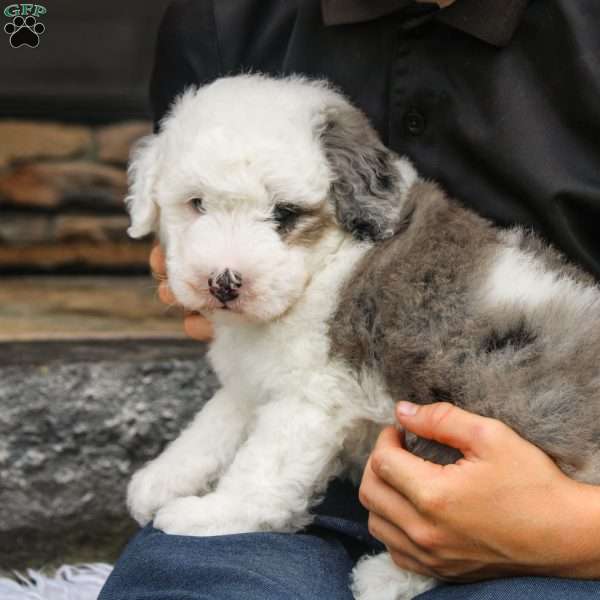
(498, 101)
(492, 21)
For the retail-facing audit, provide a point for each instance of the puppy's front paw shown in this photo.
(378, 578)
(155, 485)
(213, 514)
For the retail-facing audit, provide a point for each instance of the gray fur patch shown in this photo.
(409, 313)
(367, 186)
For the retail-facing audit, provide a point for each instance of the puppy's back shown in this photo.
(453, 309)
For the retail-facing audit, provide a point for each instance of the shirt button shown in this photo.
(414, 122)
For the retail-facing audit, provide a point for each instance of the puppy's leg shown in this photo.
(378, 578)
(192, 462)
(286, 461)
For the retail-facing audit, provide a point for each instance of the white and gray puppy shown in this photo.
(339, 282)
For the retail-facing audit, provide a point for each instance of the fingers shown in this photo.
(404, 551)
(159, 271)
(197, 327)
(194, 324)
(165, 294)
(157, 262)
(424, 483)
(406, 473)
(377, 496)
(391, 517)
(472, 434)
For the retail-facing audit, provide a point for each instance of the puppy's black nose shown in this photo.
(225, 285)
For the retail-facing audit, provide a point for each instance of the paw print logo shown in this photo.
(24, 31)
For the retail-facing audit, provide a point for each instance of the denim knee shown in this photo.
(236, 567)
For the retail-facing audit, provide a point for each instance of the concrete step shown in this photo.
(76, 419)
(64, 307)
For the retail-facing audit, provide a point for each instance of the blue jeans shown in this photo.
(312, 565)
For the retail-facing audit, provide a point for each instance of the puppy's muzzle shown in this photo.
(225, 286)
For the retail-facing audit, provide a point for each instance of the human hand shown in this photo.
(195, 325)
(504, 509)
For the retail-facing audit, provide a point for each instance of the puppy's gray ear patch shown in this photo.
(367, 186)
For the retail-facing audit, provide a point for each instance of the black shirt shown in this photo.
(498, 101)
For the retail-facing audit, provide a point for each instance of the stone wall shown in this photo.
(61, 197)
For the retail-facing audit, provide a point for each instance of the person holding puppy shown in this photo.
(500, 104)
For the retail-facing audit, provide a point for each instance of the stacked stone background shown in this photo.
(62, 188)
(95, 377)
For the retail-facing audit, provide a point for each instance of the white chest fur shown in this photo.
(284, 355)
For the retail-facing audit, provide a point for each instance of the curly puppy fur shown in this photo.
(350, 283)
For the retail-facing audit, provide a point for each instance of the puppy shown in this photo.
(339, 282)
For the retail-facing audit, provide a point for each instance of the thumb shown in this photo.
(447, 424)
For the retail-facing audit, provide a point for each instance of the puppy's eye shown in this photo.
(286, 215)
(197, 205)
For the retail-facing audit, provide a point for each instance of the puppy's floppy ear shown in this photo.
(142, 174)
(367, 190)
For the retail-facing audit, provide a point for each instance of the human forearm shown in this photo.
(578, 555)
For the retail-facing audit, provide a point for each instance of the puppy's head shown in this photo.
(252, 181)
